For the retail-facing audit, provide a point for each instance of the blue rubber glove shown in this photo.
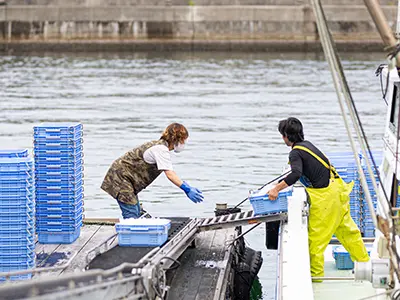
(192, 193)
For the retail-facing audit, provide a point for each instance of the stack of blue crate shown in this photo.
(367, 225)
(17, 213)
(59, 182)
(346, 166)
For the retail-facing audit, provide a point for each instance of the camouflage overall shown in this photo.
(130, 174)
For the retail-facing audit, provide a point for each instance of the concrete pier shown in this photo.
(194, 24)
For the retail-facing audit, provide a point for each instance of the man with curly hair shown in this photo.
(139, 167)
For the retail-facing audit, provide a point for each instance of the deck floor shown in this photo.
(198, 276)
(343, 290)
(51, 255)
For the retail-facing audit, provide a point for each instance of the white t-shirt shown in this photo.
(158, 154)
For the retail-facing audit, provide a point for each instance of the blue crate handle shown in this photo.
(138, 229)
(53, 187)
(55, 230)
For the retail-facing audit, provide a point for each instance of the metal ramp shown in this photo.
(238, 219)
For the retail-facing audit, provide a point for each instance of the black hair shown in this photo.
(292, 129)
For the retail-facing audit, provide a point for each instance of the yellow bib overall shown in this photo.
(330, 214)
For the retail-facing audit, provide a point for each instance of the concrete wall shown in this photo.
(134, 22)
(186, 2)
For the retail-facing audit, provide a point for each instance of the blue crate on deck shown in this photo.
(17, 209)
(342, 258)
(61, 237)
(262, 205)
(143, 232)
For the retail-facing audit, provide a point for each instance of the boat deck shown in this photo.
(55, 255)
(203, 272)
(343, 289)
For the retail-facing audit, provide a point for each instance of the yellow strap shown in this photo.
(315, 155)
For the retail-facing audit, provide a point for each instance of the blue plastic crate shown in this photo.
(62, 173)
(59, 237)
(40, 214)
(63, 210)
(59, 193)
(262, 205)
(57, 136)
(16, 201)
(59, 164)
(368, 233)
(143, 232)
(57, 144)
(61, 186)
(58, 225)
(59, 180)
(342, 258)
(17, 259)
(16, 209)
(16, 165)
(21, 234)
(24, 251)
(12, 266)
(13, 153)
(45, 129)
(16, 181)
(17, 242)
(58, 152)
(17, 226)
(63, 203)
(42, 160)
(17, 277)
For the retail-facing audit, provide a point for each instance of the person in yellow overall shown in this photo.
(328, 197)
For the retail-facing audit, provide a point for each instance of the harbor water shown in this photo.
(230, 103)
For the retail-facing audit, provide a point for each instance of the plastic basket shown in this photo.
(45, 129)
(59, 180)
(57, 144)
(62, 173)
(58, 225)
(58, 186)
(58, 152)
(55, 165)
(51, 202)
(15, 209)
(17, 259)
(13, 153)
(143, 232)
(60, 214)
(24, 251)
(57, 136)
(16, 165)
(263, 206)
(59, 193)
(58, 158)
(58, 237)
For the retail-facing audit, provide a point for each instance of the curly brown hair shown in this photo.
(175, 134)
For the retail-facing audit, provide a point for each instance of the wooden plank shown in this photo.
(64, 252)
(101, 235)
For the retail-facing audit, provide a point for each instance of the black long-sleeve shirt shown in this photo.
(303, 163)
